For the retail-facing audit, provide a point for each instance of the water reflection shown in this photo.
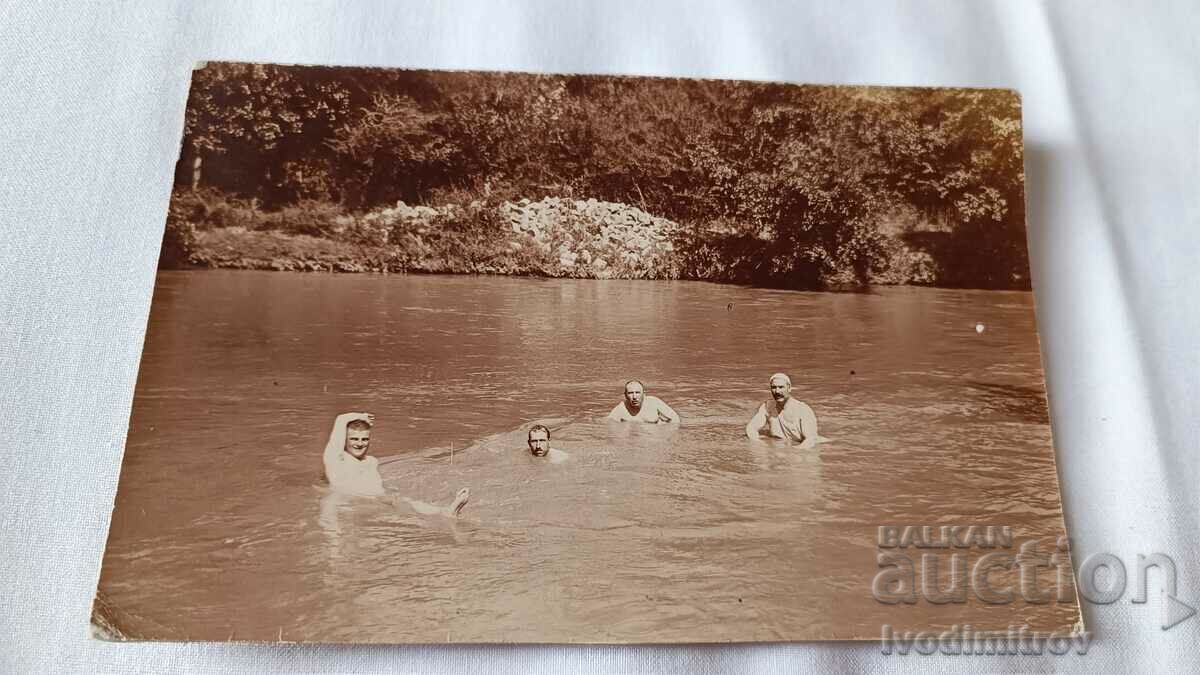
(1022, 402)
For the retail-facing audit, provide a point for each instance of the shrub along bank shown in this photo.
(552, 237)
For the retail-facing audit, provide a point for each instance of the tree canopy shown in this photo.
(799, 183)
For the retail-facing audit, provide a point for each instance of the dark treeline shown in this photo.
(781, 185)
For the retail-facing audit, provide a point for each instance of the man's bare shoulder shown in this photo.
(653, 403)
(798, 407)
(344, 463)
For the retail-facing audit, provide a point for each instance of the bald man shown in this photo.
(638, 407)
(784, 417)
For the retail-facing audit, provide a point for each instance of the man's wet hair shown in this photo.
(643, 386)
(538, 427)
(358, 425)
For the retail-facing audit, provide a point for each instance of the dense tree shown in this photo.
(266, 117)
(777, 184)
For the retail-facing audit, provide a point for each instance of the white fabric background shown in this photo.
(91, 111)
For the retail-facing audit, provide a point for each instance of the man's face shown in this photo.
(539, 443)
(634, 395)
(780, 389)
(357, 441)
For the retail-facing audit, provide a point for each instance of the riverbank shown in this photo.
(553, 237)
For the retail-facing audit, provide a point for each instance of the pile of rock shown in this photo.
(413, 217)
(593, 238)
(556, 237)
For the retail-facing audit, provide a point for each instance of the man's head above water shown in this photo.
(781, 387)
(358, 438)
(635, 394)
(539, 440)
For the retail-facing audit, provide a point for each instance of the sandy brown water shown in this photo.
(223, 527)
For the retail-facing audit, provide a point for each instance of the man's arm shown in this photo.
(337, 435)
(757, 422)
(808, 426)
(665, 412)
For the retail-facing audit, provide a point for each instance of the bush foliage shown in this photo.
(770, 184)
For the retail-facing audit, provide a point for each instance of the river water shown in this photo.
(224, 529)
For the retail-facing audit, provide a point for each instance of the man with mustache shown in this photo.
(784, 417)
(539, 445)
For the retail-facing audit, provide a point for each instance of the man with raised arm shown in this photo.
(637, 407)
(350, 470)
(783, 416)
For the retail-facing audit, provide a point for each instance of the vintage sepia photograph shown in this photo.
(489, 357)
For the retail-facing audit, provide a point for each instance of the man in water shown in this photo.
(539, 445)
(637, 407)
(350, 470)
(784, 417)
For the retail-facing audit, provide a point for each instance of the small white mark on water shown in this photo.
(978, 328)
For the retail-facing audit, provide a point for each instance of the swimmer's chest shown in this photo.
(360, 476)
(647, 413)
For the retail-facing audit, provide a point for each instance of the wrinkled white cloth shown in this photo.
(91, 111)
